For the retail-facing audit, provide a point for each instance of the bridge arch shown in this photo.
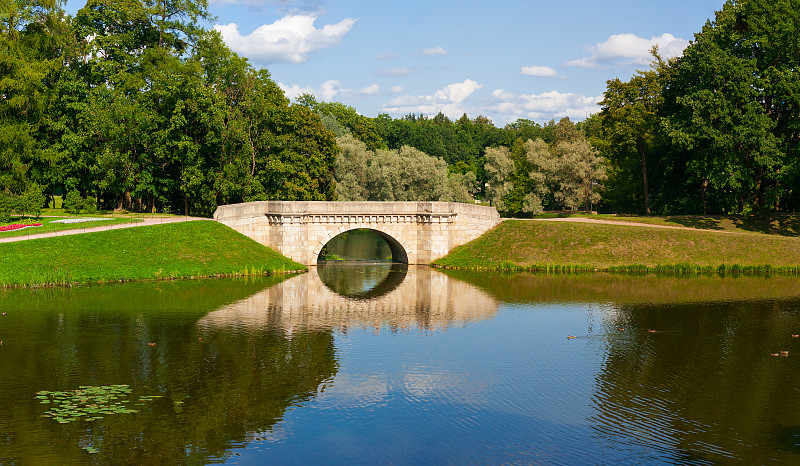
(398, 249)
(417, 232)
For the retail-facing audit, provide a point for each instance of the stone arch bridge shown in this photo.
(417, 232)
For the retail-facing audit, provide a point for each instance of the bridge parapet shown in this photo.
(417, 232)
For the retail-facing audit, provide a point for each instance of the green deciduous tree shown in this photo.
(499, 171)
(406, 174)
(577, 169)
(732, 104)
(630, 125)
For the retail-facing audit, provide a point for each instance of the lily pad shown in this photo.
(89, 402)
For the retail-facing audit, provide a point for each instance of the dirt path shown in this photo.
(94, 229)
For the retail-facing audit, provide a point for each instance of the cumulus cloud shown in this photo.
(433, 51)
(538, 71)
(449, 100)
(288, 40)
(544, 106)
(397, 90)
(325, 92)
(401, 71)
(372, 89)
(629, 49)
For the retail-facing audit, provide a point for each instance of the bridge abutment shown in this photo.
(417, 232)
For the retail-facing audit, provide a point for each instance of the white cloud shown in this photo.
(372, 89)
(402, 71)
(457, 92)
(326, 91)
(288, 40)
(629, 49)
(294, 91)
(433, 51)
(543, 107)
(329, 90)
(397, 90)
(448, 100)
(538, 71)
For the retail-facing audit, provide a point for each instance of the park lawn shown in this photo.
(48, 226)
(773, 224)
(174, 250)
(542, 245)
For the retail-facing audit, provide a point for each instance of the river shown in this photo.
(367, 363)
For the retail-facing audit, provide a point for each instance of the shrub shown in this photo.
(32, 201)
(74, 203)
(8, 204)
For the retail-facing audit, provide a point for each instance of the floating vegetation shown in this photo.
(89, 403)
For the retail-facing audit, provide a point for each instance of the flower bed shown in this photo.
(79, 220)
(18, 226)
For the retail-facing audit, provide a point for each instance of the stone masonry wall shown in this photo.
(424, 231)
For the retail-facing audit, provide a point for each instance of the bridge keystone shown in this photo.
(417, 232)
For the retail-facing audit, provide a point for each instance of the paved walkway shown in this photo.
(93, 229)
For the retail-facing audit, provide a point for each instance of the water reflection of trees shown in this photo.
(628, 289)
(703, 385)
(219, 386)
(361, 280)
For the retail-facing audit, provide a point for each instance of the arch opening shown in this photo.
(363, 245)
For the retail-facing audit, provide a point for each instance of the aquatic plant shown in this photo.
(88, 403)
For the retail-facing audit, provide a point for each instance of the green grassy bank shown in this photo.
(567, 246)
(176, 250)
(50, 224)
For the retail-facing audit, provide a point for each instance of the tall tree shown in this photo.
(733, 103)
(630, 124)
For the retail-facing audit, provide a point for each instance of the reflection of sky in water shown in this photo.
(513, 382)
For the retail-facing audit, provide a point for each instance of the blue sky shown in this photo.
(502, 59)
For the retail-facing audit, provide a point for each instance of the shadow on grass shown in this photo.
(782, 225)
(705, 223)
(775, 224)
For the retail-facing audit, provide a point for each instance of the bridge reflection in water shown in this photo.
(397, 296)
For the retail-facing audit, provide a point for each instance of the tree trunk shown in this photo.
(644, 183)
(705, 188)
(186, 205)
(758, 203)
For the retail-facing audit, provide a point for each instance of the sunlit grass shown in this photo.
(575, 247)
(774, 224)
(48, 226)
(176, 250)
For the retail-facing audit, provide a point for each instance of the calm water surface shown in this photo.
(383, 363)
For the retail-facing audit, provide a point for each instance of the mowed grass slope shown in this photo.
(176, 250)
(583, 246)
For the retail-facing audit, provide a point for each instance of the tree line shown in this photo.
(134, 105)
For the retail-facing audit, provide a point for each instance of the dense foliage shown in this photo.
(717, 129)
(134, 105)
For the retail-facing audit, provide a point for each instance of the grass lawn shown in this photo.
(48, 225)
(538, 245)
(774, 224)
(175, 250)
